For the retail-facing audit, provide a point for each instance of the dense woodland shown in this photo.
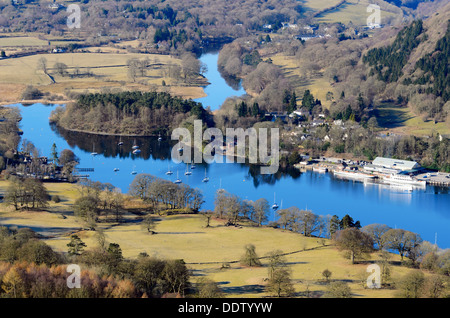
(133, 113)
(168, 26)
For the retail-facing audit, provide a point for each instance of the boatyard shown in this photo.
(381, 170)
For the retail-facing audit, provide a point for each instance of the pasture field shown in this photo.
(109, 70)
(402, 120)
(354, 11)
(213, 252)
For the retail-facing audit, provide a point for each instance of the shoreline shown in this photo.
(102, 133)
(35, 101)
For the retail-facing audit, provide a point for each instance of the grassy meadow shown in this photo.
(206, 249)
(107, 64)
(402, 120)
(354, 11)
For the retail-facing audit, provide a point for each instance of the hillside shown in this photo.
(212, 252)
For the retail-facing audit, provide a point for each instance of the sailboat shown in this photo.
(93, 151)
(178, 179)
(120, 143)
(136, 151)
(159, 137)
(275, 205)
(187, 173)
(205, 179)
(192, 165)
(116, 169)
(134, 171)
(135, 146)
(169, 172)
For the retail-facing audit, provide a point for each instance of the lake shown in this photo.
(426, 212)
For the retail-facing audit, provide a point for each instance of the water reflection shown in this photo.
(108, 146)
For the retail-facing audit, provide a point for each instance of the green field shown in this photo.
(354, 11)
(403, 121)
(109, 69)
(206, 250)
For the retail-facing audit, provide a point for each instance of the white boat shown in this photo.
(404, 179)
(159, 137)
(177, 180)
(136, 151)
(169, 172)
(320, 169)
(93, 153)
(116, 169)
(187, 173)
(205, 179)
(135, 146)
(353, 175)
(275, 205)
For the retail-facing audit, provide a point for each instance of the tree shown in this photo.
(113, 258)
(376, 231)
(86, 207)
(308, 222)
(38, 252)
(76, 245)
(262, 210)
(148, 223)
(60, 68)
(276, 260)
(148, 275)
(67, 156)
(355, 242)
(327, 274)
(42, 64)
(280, 283)
(411, 284)
(435, 286)
(250, 258)
(13, 284)
(54, 155)
(347, 222)
(176, 275)
(333, 226)
(338, 289)
(14, 192)
(207, 288)
(404, 242)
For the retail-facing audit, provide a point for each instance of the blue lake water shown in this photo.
(219, 89)
(426, 212)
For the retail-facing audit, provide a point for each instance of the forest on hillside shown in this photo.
(132, 113)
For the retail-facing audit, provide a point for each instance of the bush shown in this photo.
(31, 93)
(56, 199)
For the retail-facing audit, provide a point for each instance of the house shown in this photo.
(390, 163)
(317, 122)
(58, 50)
(302, 112)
